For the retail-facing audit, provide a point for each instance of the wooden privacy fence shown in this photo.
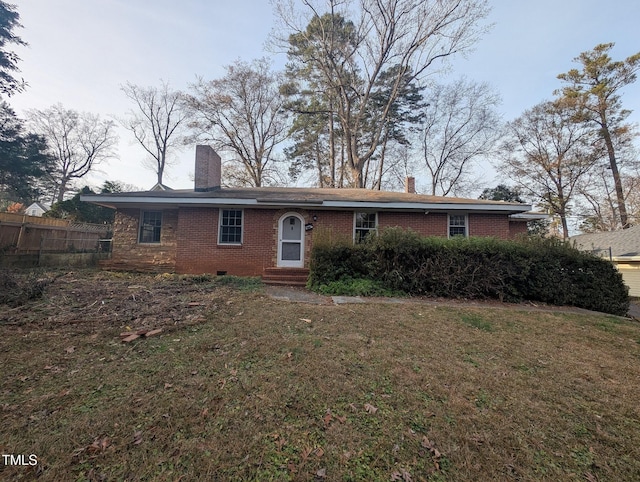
(22, 234)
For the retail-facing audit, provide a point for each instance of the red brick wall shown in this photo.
(189, 242)
(432, 224)
(128, 253)
(517, 228)
(496, 225)
(333, 223)
(199, 251)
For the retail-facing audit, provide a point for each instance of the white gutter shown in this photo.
(626, 259)
(164, 200)
(530, 216)
(425, 206)
(97, 199)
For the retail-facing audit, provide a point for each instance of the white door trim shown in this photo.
(282, 263)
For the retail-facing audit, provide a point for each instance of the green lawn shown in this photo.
(242, 387)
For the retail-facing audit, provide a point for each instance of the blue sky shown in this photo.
(81, 51)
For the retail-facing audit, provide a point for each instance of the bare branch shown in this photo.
(157, 122)
(242, 113)
(78, 141)
(357, 53)
(548, 155)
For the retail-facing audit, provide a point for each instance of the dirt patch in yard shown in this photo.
(93, 301)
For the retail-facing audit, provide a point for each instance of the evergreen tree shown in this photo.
(596, 88)
(501, 192)
(9, 20)
(358, 64)
(83, 212)
(23, 159)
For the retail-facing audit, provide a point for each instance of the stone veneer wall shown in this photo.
(127, 253)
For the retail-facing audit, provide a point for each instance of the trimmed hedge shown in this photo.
(548, 271)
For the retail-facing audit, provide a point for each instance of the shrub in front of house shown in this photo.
(548, 271)
(563, 275)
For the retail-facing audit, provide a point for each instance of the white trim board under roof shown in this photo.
(311, 198)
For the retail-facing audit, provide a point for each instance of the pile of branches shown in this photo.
(17, 288)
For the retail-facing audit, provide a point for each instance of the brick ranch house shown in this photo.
(268, 231)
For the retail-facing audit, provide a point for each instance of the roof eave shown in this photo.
(132, 201)
(524, 216)
(626, 259)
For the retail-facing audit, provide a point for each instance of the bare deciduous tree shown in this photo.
(460, 126)
(599, 207)
(363, 54)
(242, 114)
(547, 155)
(78, 141)
(157, 122)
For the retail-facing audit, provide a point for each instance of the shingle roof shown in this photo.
(265, 196)
(625, 242)
(40, 205)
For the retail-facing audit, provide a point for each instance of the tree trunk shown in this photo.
(357, 178)
(62, 189)
(318, 156)
(160, 172)
(565, 227)
(332, 148)
(378, 181)
(622, 207)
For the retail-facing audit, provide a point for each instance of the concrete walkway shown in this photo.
(302, 295)
(296, 295)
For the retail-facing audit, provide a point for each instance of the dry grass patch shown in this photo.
(242, 387)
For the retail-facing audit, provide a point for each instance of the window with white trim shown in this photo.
(365, 224)
(150, 227)
(457, 225)
(230, 230)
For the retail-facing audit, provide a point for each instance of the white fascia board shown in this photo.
(166, 200)
(398, 206)
(402, 206)
(529, 216)
(626, 259)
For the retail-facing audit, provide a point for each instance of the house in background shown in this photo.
(621, 247)
(268, 231)
(36, 209)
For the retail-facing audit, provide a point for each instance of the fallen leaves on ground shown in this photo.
(401, 475)
(370, 408)
(436, 454)
(98, 446)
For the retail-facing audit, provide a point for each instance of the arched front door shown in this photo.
(291, 241)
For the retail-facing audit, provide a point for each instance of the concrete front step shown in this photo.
(279, 282)
(285, 276)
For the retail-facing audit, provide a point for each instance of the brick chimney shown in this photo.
(410, 185)
(208, 169)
